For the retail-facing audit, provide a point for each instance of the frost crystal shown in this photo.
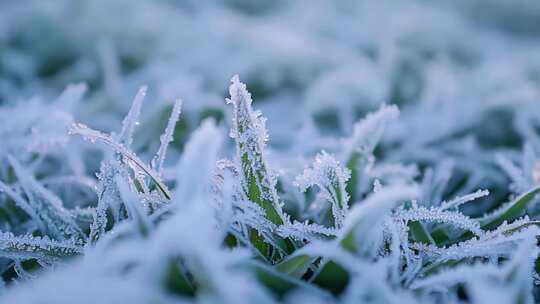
(458, 201)
(198, 162)
(328, 175)
(127, 155)
(108, 199)
(364, 223)
(134, 207)
(491, 244)
(249, 131)
(455, 219)
(397, 219)
(305, 231)
(368, 131)
(166, 138)
(30, 247)
(47, 206)
(132, 118)
(357, 151)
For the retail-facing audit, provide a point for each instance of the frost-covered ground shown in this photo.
(396, 157)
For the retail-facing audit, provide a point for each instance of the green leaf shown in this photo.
(277, 282)
(332, 277)
(347, 242)
(419, 233)
(352, 165)
(507, 213)
(176, 281)
(510, 211)
(279, 285)
(295, 266)
(259, 184)
(35, 247)
(249, 131)
(259, 195)
(127, 155)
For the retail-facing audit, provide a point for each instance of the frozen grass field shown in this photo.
(236, 151)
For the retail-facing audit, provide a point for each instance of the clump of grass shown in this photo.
(219, 231)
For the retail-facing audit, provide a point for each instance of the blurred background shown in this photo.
(465, 74)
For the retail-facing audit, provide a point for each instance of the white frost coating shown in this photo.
(458, 201)
(369, 276)
(249, 132)
(331, 178)
(235, 213)
(369, 130)
(128, 156)
(394, 172)
(513, 277)
(47, 206)
(248, 125)
(321, 66)
(503, 208)
(23, 204)
(524, 175)
(132, 118)
(108, 198)
(366, 219)
(507, 228)
(377, 186)
(166, 138)
(133, 206)
(31, 247)
(36, 126)
(460, 274)
(531, 164)
(517, 176)
(492, 244)
(71, 95)
(196, 167)
(212, 267)
(304, 231)
(522, 267)
(437, 215)
(249, 215)
(376, 205)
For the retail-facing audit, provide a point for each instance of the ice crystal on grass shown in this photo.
(42, 128)
(513, 277)
(305, 231)
(166, 138)
(331, 179)
(129, 158)
(31, 247)
(510, 210)
(108, 199)
(258, 182)
(451, 277)
(44, 204)
(490, 245)
(22, 203)
(460, 200)
(125, 137)
(249, 132)
(368, 132)
(437, 215)
(134, 207)
(363, 228)
(359, 147)
(198, 162)
(391, 213)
